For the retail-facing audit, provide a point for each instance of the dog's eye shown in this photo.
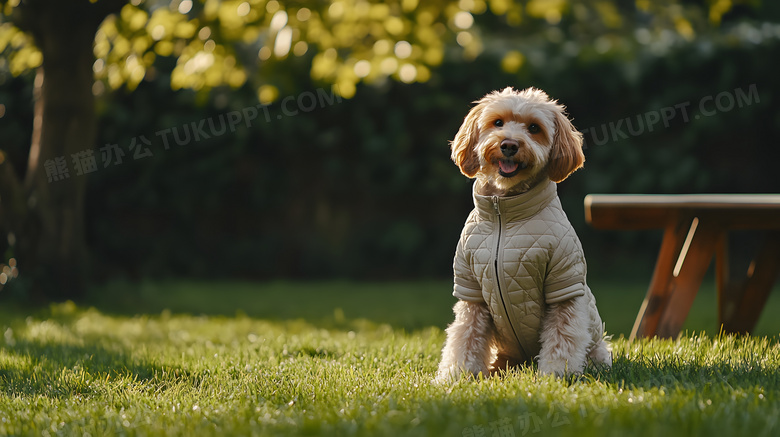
(534, 128)
(498, 123)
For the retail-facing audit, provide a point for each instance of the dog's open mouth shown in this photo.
(508, 168)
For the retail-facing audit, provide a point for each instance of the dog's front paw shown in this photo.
(601, 356)
(559, 368)
(451, 374)
(447, 375)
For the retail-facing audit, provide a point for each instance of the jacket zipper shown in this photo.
(499, 275)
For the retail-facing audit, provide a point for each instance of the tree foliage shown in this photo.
(229, 43)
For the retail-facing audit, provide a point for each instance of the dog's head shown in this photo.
(511, 136)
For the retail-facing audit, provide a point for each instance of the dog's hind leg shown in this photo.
(470, 342)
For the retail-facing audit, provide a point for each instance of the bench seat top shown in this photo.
(652, 211)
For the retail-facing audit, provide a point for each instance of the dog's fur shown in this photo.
(548, 147)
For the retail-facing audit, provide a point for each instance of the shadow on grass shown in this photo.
(63, 371)
(677, 374)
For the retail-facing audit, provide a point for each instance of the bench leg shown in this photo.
(647, 320)
(684, 287)
(740, 304)
(686, 252)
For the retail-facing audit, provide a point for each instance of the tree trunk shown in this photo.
(49, 222)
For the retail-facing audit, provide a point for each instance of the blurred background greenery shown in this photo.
(345, 172)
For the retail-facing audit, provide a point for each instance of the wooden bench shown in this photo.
(696, 228)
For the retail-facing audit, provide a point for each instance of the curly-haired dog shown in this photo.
(519, 266)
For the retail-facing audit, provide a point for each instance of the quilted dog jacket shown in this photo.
(518, 254)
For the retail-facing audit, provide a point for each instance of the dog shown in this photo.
(519, 266)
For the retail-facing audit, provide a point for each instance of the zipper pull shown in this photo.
(495, 205)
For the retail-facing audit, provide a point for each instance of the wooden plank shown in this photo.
(744, 304)
(698, 201)
(760, 219)
(756, 211)
(650, 312)
(634, 217)
(684, 286)
(628, 217)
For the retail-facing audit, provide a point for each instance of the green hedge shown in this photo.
(363, 188)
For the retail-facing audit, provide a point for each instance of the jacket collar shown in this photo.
(519, 207)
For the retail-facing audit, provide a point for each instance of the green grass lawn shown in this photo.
(186, 358)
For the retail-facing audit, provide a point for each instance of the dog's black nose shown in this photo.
(509, 147)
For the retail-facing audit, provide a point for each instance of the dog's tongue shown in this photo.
(507, 167)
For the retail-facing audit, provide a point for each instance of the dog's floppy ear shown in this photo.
(464, 152)
(566, 154)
